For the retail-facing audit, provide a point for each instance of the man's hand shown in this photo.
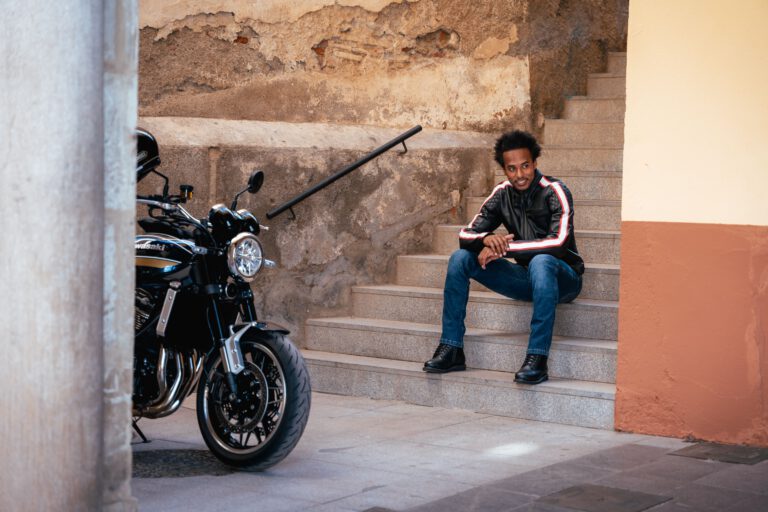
(498, 243)
(486, 256)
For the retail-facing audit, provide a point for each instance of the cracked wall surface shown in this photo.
(447, 64)
(347, 234)
(483, 66)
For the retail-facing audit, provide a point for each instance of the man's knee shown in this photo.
(461, 257)
(543, 263)
(462, 260)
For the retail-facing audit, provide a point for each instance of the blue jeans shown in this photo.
(546, 282)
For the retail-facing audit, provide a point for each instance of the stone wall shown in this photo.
(349, 233)
(447, 64)
(483, 66)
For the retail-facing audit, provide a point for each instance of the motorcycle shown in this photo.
(196, 327)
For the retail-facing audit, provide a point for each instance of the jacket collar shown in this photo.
(534, 184)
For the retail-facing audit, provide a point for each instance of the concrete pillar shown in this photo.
(67, 114)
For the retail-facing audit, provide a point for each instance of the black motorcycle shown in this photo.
(196, 327)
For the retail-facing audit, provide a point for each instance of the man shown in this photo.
(537, 212)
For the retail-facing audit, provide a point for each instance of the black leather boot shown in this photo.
(446, 359)
(533, 371)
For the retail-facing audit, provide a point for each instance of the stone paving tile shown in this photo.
(208, 495)
(479, 499)
(757, 503)
(705, 499)
(407, 458)
(402, 494)
(596, 498)
(355, 402)
(435, 462)
(671, 506)
(724, 453)
(641, 483)
(515, 440)
(534, 483)
(313, 481)
(538, 506)
(622, 457)
(680, 469)
(670, 443)
(486, 432)
(740, 477)
(485, 471)
(386, 423)
(570, 471)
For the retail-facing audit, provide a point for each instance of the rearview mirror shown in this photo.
(255, 181)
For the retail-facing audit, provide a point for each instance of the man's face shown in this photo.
(519, 167)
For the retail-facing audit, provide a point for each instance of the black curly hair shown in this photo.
(517, 139)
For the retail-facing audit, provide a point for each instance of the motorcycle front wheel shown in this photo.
(260, 425)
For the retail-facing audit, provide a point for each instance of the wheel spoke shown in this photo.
(246, 424)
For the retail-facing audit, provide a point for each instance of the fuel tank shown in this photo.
(158, 255)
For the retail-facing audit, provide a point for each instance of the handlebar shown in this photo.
(168, 207)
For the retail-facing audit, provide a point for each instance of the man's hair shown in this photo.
(517, 139)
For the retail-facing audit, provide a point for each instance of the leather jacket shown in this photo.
(540, 218)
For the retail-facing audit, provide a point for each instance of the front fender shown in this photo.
(260, 326)
(231, 353)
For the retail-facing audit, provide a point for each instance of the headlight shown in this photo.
(245, 256)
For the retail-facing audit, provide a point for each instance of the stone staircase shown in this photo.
(379, 350)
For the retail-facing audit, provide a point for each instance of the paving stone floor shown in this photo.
(359, 454)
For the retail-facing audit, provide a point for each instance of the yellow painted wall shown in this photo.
(693, 302)
(696, 135)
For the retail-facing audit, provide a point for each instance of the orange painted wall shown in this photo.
(693, 331)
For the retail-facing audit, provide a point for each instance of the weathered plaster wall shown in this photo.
(348, 234)
(442, 63)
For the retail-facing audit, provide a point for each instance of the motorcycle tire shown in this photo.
(270, 410)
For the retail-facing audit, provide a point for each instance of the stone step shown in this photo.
(595, 246)
(554, 159)
(564, 132)
(599, 246)
(607, 85)
(582, 318)
(617, 63)
(589, 214)
(569, 358)
(584, 185)
(600, 282)
(597, 215)
(584, 108)
(571, 402)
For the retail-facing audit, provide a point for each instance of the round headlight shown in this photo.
(245, 256)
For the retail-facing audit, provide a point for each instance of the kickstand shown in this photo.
(138, 431)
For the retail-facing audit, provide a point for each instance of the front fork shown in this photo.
(229, 346)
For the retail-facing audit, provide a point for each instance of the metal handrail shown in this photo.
(400, 139)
